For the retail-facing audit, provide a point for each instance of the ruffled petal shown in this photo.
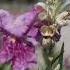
(18, 65)
(6, 52)
(5, 56)
(33, 32)
(22, 23)
(24, 58)
(5, 18)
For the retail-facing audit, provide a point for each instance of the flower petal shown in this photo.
(18, 65)
(5, 18)
(5, 56)
(33, 32)
(26, 58)
(22, 23)
(22, 65)
(6, 53)
(33, 41)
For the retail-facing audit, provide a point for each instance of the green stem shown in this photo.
(61, 58)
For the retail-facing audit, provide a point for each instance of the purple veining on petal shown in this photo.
(21, 55)
(33, 32)
(22, 25)
(5, 54)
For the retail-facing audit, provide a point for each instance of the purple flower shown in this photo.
(23, 24)
(19, 26)
(20, 55)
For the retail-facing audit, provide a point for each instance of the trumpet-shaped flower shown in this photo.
(21, 54)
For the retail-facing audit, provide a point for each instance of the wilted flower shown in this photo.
(60, 19)
(5, 18)
(20, 25)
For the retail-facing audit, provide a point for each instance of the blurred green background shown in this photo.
(16, 6)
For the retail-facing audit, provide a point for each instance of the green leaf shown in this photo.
(5, 66)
